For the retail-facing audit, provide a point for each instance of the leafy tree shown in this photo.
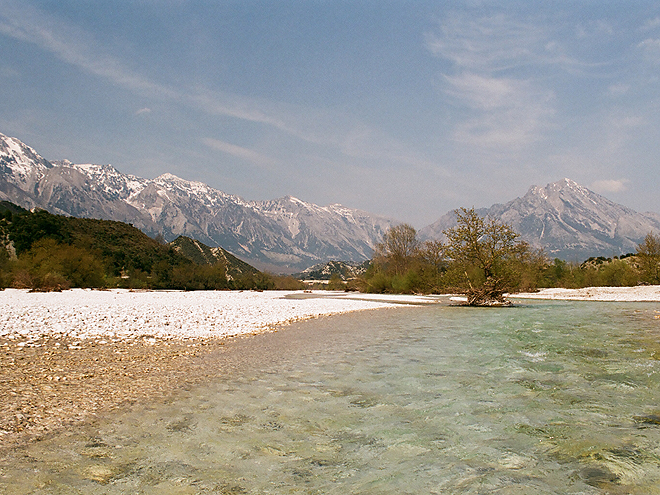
(5, 267)
(283, 282)
(485, 257)
(254, 281)
(200, 277)
(617, 273)
(556, 273)
(403, 264)
(51, 265)
(433, 265)
(29, 227)
(648, 254)
(162, 274)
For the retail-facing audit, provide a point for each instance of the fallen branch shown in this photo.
(491, 293)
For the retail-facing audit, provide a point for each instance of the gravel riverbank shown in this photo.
(67, 356)
(641, 293)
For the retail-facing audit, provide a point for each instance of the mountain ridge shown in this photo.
(285, 234)
(567, 220)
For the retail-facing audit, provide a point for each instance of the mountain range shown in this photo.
(284, 234)
(287, 235)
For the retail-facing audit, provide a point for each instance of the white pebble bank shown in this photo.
(122, 314)
(648, 293)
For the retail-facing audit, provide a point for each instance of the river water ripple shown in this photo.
(544, 397)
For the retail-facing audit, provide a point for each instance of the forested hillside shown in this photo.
(42, 251)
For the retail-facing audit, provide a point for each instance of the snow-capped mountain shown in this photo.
(21, 168)
(280, 234)
(568, 220)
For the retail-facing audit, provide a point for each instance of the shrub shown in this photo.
(51, 264)
(336, 282)
(285, 282)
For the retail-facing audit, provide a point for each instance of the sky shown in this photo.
(406, 109)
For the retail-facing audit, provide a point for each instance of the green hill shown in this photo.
(44, 251)
(6, 206)
(201, 254)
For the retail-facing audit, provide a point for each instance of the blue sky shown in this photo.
(402, 108)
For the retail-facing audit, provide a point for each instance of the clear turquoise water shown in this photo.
(546, 397)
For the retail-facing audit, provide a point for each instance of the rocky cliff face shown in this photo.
(21, 170)
(568, 220)
(285, 234)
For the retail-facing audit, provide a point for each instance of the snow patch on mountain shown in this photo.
(21, 165)
(285, 234)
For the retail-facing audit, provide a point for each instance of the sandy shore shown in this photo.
(66, 356)
(642, 293)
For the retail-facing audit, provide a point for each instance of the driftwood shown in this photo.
(491, 293)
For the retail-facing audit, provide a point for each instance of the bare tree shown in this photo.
(399, 248)
(434, 253)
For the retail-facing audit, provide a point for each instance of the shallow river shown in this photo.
(545, 397)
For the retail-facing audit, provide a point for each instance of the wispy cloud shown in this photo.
(618, 89)
(79, 48)
(597, 28)
(71, 45)
(76, 47)
(483, 92)
(508, 114)
(239, 152)
(506, 110)
(8, 72)
(651, 24)
(495, 43)
(610, 186)
(499, 42)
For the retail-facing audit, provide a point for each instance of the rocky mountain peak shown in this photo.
(567, 220)
(280, 235)
(565, 190)
(22, 165)
(168, 177)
